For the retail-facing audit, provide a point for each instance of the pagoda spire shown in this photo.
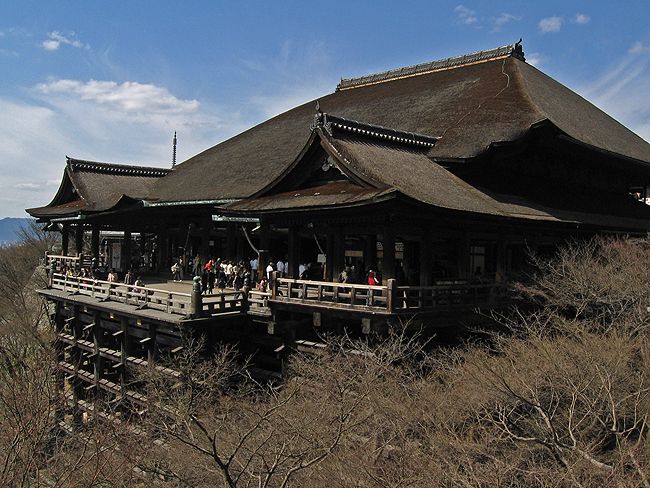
(174, 151)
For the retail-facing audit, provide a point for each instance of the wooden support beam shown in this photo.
(89, 326)
(388, 259)
(145, 340)
(79, 239)
(117, 333)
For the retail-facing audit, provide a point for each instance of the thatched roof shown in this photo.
(385, 164)
(90, 186)
(494, 97)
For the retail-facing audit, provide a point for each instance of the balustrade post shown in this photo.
(391, 288)
(196, 300)
(274, 285)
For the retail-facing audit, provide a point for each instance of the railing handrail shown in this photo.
(471, 284)
(332, 283)
(62, 256)
(115, 284)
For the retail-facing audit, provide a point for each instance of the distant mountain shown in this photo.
(9, 228)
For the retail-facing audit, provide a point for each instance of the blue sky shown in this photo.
(111, 81)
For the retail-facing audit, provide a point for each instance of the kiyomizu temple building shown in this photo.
(439, 177)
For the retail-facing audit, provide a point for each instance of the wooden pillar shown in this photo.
(231, 243)
(463, 256)
(59, 412)
(94, 244)
(339, 252)
(388, 259)
(98, 340)
(77, 358)
(263, 258)
(329, 256)
(79, 239)
(126, 251)
(125, 350)
(426, 268)
(370, 253)
(240, 244)
(293, 246)
(500, 272)
(161, 249)
(65, 240)
(151, 344)
(205, 243)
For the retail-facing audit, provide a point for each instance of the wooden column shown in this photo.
(77, 358)
(329, 256)
(263, 258)
(161, 249)
(125, 350)
(293, 252)
(339, 252)
(59, 412)
(98, 340)
(370, 253)
(151, 344)
(126, 251)
(388, 260)
(426, 268)
(205, 243)
(463, 255)
(240, 244)
(79, 238)
(94, 244)
(65, 240)
(231, 243)
(500, 273)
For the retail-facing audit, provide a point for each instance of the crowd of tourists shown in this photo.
(219, 274)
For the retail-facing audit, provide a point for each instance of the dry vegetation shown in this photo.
(560, 399)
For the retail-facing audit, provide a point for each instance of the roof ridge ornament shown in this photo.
(511, 50)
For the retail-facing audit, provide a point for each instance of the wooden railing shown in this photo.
(335, 295)
(225, 302)
(448, 296)
(388, 298)
(140, 296)
(385, 299)
(258, 302)
(56, 262)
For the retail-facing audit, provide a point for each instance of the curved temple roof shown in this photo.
(492, 96)
(454, 109)
(90, 186)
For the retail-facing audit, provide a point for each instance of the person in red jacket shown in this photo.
(372, 281)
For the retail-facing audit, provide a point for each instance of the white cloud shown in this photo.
(466, 15)
(129, 97)
(55, 39)
(115, 122)
(551, 24)
(617, 90)
(639, 48)
(503, 19)
(581, 19)
(534, 59)
(28, 186)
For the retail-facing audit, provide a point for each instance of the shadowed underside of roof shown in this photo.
(467, 107)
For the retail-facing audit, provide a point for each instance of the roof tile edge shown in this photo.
(113, 168)
(511, 50)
